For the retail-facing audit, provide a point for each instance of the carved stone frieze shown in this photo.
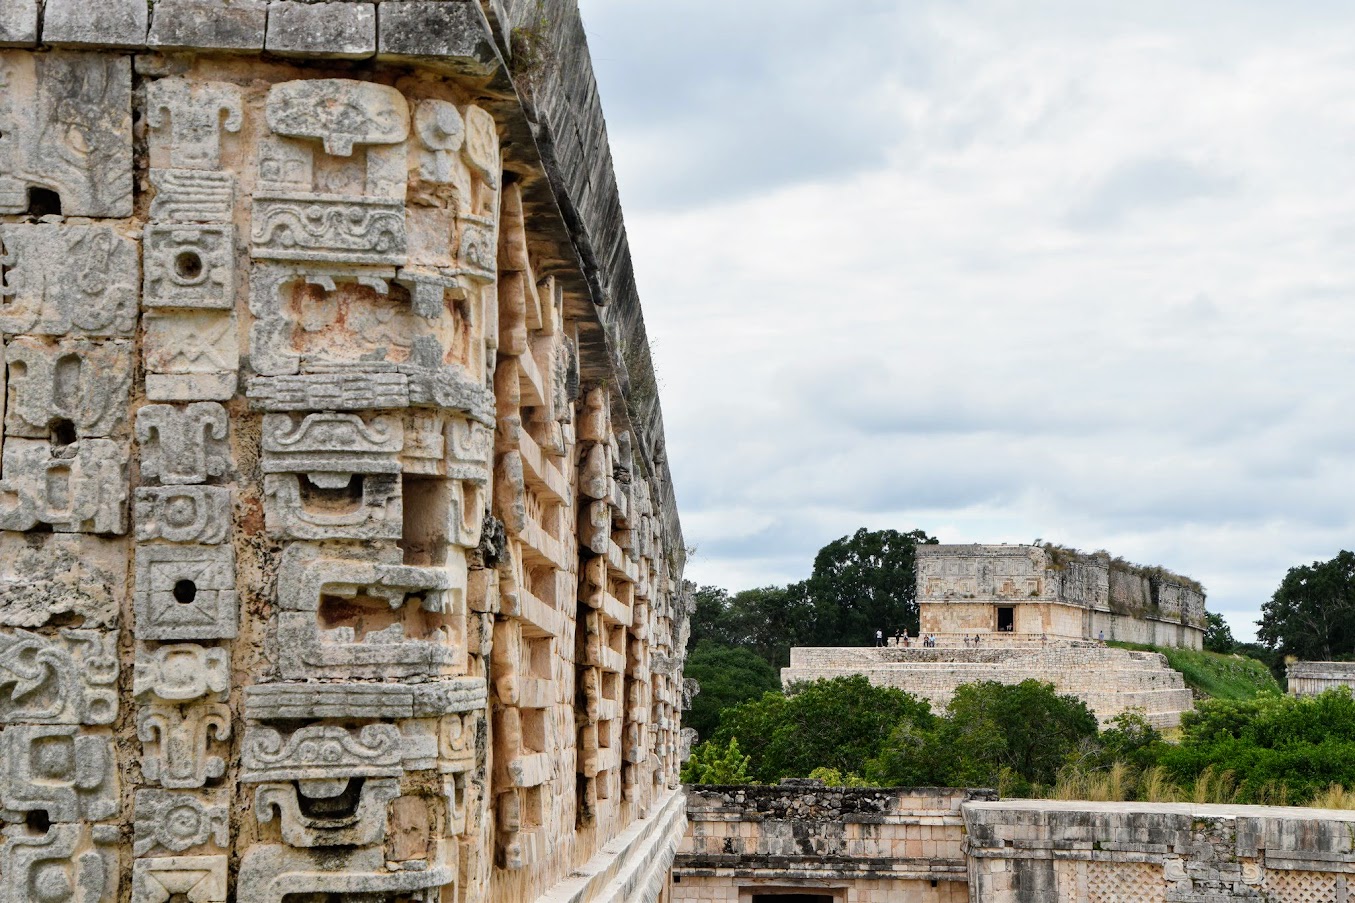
(58, 280)
(77, 488)
(70, 384)
(189, 265)
(178, 820)
(191, 196)
(191, 355)
(58, 769)
(195, 879)
(328, 812)
(350, 617)
(386, 701)
(64, 680)
(321, 752)
(183, 444)
(66, 127)
(50, 576)
(188, 514)
(177, 741)
(69, 862)
(181, 672)
(185, 592)
(187, 119)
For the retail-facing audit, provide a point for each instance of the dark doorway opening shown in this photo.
(792, 898)
(1006, 619)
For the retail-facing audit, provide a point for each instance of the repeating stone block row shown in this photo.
(445, 31)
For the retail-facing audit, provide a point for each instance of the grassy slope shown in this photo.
(1218, 676)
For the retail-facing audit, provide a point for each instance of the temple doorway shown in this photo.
(1006, 619)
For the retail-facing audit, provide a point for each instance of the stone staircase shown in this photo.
(1108, 679)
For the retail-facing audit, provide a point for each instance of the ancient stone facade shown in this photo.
(847, 845)
(1013, 613)
(1022, 851)
(1312, 678)
(1109, 680)
(338, 553)
(1005, 592)
(835, 845)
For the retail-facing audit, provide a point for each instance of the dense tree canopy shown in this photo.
(727, 677)
(1312, 614)
(863, 583)
(840, 723)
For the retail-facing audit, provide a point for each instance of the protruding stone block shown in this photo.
(59, 770)
(72, 384)
(181, 672)
(453, 35)
(175, 821)
(191, 266)
(177, 743)
(196, 514)
(183, 445)
(18, 23)
(57, 279)
(185, 592)
(77, 488)
(106, 24)
(340, 30)
(196, 879)
(270, 873)
(203, 25)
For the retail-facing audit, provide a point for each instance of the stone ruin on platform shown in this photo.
(338, 554)
(1008, 613)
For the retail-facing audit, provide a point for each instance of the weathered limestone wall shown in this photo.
(1312, 678)
(917, 846)
(338, 554)
(1054, 592)
(1110, 680)
(857, 845)
(1037, 851)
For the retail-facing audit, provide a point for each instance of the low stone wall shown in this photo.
(853, 845)
(1311, 678)
(1110, 680)
(1037, 851)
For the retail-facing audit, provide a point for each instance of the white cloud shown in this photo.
(1081, 275)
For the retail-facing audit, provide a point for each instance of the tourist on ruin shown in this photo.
(879, 637)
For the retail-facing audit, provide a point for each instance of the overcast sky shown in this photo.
(997, 270)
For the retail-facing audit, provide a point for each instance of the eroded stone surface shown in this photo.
(357, 568)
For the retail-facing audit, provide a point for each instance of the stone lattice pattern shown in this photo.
(324, 575)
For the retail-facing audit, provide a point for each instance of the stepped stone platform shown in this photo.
(1109, 680)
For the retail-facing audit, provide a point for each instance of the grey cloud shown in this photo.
(1145, 184)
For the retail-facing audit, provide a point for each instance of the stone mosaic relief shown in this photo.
(294, 457)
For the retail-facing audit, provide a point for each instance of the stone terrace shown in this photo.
(1110, 680)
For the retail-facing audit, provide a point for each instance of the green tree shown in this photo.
(714, 763)
(994, 733)
(1312, 614)
(1277, 747)
(727, 676)
(1218, 636)
(840, 723)
(767, 620)
(863, 583)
